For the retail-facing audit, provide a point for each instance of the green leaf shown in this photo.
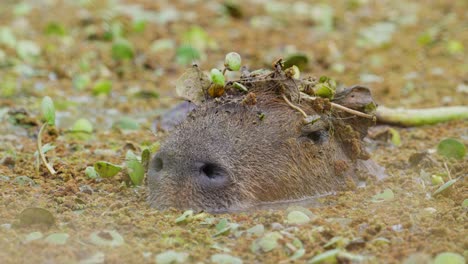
(82, 125)
(267, 243)
(80, 82)
(451, 148)
(48, 110)
(300, 60)
(33, 236)
(465, 204)
(171, 257)
(106, 169)
(449, 258)
(109, 238)
(27, 50)
(396, 139)
(122, 49)
(298, 254)
(139, 25)
(256, 230)
(187, 54)
(57, 238)
(185, 217)
(91, 173)
(126, 123)
(455, 47)
(217, 77)
(325, 257)
(225, 259)
(444, 187)
(297, 218)
(232, 61)
(54, 28)
(7, 37)
(386, 195)
(102, 87)
(135, 169)
(35, 216)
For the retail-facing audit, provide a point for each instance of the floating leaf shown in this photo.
(455, 47)
(57, 238)
(109, 238)
(102, 87)
(337, 242)
(27, 50)
(106, 169)
(162, 45)
(198, 38)
(185, 217)
(465, 204)
(187, 54)
(225, 259)
(139, 25)
(126, 123)
(80, 82)
(54, 28)
(449, 258)
(386, 195)
(122, 49)
(192, 84)
(135, 169)
(223, 228)
(445, 186)
(23, 180)
(395, 139)
(82, 125)
(377, 35)
(297, 218)
(171, 257)
(300, 60)
(451, 148)
(266, 243)
(298, 254)
(325, 257)
(232, 61)
(91, 173)
(35, 216)
(33, 236)
(7, 37)
(48, 110)
(257, 230)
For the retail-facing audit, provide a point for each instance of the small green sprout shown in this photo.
(233, 61)
(217, 77)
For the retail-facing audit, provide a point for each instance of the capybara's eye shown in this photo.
(318, 137)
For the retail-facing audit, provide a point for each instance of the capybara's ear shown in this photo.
(358, 98)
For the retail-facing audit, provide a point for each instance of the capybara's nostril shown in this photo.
(158, 164)
(212, 175)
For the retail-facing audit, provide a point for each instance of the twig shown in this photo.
(294, 107)
(343, 108)
(351, 111)
(39, 150)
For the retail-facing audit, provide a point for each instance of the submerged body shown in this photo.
(232, 154)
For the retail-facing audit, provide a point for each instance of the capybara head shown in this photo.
(244, 149)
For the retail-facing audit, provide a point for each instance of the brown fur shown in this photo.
(257, 159)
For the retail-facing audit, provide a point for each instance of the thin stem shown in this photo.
(294, 107)
(39, 150)
(340, 107)
(352, 111)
